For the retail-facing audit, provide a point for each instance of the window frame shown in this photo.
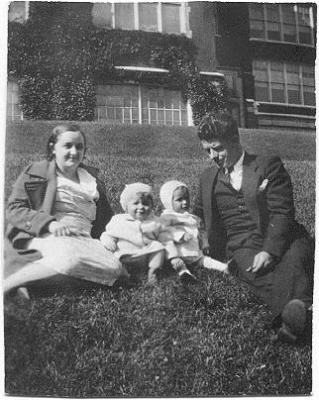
(141, 91)
(285, 82)
(13, 87)
(183, 25)
(281, 22)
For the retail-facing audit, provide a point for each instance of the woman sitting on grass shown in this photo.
(56, 209)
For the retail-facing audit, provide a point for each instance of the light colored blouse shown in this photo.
(75, 202)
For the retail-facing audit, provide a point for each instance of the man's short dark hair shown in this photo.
(218, 126)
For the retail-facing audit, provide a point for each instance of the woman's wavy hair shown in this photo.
(218, 125)
(56, 132)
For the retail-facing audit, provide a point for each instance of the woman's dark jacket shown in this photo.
(26, 220)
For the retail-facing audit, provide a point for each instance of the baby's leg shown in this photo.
(183, 272)
(155, 262)
(210, 263)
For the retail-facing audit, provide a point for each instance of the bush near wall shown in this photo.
(59, 57)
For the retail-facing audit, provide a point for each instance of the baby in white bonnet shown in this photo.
(184, 229)
(133, 235)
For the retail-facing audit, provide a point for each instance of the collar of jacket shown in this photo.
(40, 168)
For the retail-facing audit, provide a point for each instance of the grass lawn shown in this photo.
(212, 339)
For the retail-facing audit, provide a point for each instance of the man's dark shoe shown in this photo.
(293, 317)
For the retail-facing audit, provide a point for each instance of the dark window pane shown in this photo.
(153, 116)
(176, 118)
(290, 33)
(168, 116)
(161, 117)
(256, 11)
(145, 115)
(135, 114)
(288, 13)
(261, 91)
(273, 31)
(124, 16)
(257, 29)
(277, 93)
(17, 11)
(102, 15)
(184, 117)
(148, 17)
(171, 18)
(309, 98)
(272, 12)
(305, 35)
(294, 96)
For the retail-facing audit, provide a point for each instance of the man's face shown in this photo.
(224, 154)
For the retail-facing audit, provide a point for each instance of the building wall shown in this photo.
(202, 23)
(282, 49)
(231, 39)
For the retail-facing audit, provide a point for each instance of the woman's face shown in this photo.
(69, 151)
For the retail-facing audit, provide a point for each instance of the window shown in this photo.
(152, 16)
(286, 83)
(134, 104)
(261, 80)
(117, 103)
(148, 17)
(102, 15)
(304, 23)
(287, 22)
(308, 79)
(277, 82)
(171, 18)
(163, 107)
(13, 101)
(18, 11)
(273, 21)
(124, 15)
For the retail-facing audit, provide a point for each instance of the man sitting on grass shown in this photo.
(246, 202)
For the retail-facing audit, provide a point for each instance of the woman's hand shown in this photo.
(59, 229)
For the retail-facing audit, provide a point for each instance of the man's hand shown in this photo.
(261, 261)
(59, 229)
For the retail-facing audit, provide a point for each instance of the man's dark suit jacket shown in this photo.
(268, 196)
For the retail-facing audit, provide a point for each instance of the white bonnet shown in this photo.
(133, 189)
(167, 190)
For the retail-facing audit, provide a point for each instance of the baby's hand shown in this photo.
(187, 237)
(108, 242)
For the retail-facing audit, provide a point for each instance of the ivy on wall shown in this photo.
(59, 57)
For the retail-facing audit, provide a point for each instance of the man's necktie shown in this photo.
(227, 172)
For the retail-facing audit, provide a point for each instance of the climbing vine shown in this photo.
(59, 57)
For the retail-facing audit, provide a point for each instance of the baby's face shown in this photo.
(180, 200)
(139, 206)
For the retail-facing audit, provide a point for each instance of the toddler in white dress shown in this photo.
(133, 236)
(184, 228)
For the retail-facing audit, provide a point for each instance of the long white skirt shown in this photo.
(78, 256)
